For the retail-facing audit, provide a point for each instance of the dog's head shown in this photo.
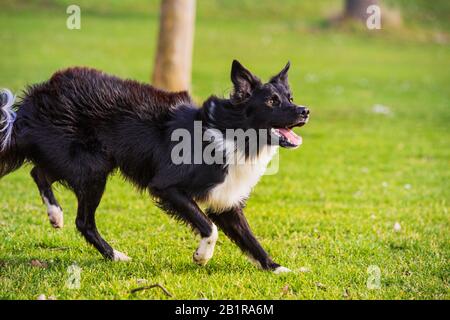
(268, 105)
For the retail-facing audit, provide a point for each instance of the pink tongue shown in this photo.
(290, 135)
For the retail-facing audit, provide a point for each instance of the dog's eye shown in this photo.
(273, 101)
(290, 98)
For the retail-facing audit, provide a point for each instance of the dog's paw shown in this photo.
(56, 216)
(119, 256)
(205, 249)
(281, 269)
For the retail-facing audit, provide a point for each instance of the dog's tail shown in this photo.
(10, 159)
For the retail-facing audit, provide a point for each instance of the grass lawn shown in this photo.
(329, 211)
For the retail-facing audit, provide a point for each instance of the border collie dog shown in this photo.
(82, 125)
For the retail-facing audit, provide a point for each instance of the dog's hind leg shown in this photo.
(89, 194)
(44, 183)
(235, 226)
(184, 208)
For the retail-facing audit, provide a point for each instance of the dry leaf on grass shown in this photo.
(321, 285)
(285, 289)
(346, 293)
(39, 264)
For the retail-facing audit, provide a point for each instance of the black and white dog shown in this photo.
(81, 125)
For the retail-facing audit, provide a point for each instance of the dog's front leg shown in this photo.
(234, 224)
(176, 203)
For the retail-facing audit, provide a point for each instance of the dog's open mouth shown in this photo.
(287, 137)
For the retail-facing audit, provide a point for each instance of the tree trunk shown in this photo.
(173, 62)
(357, 9)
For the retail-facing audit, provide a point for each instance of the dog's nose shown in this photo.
(304, 111)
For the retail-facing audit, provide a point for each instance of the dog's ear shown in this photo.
(244, 82)
(282, 77)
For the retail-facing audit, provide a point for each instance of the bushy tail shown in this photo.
(9, 156)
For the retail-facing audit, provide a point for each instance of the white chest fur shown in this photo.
(241, 178)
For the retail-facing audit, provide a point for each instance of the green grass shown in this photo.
(333, 204)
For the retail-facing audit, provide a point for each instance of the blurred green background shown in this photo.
(375, 153)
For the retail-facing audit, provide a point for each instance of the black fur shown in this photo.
(234, 224)
(82, 124)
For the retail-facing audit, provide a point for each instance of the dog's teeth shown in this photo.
(276, 132)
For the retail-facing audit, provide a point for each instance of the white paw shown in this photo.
(119, 256)
(205, 249)
(281, 269)
(55, 215)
